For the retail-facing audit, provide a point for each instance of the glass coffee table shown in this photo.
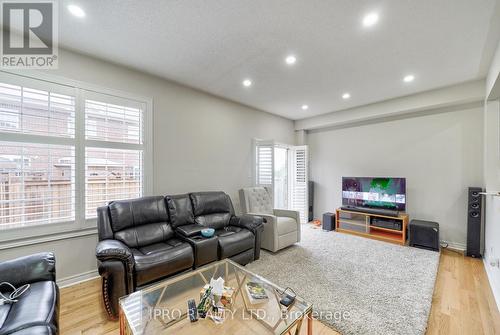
(162, 307)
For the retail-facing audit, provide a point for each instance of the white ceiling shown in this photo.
(213, 45)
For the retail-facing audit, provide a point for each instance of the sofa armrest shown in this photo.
(254, 223)
(288, 213)
(116, 265)
(189, 230)
(266, 218)
(113, 250)
(29, 269)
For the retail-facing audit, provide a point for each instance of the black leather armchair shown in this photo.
(36, 311)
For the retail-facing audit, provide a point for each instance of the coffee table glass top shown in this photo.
(162, 307)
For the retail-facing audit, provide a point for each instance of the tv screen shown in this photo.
(374, 192)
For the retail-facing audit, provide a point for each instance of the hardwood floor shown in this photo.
(462, 303)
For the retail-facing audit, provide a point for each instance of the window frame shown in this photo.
(81, 226)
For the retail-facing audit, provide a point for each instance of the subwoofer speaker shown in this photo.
(474, 222)
(328, 221)
(424, 234)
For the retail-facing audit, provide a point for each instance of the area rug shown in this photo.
(356, 285)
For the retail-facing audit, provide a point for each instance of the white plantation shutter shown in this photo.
(113, 123)
(111, 174)
(37, 154)
(37, 184)
(114, 137)
(264, 169)
(299, 179)
(31, 111)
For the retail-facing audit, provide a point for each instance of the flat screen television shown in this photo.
(374, 192)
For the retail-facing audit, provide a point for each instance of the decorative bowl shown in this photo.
(207, 232)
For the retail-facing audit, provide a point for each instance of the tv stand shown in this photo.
(381, 227)
(380, 211)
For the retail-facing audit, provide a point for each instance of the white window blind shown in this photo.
(37, 184)
(264, 164)
(114, 151)
(111, 174)
(32, 111)
(37, 174)
(115, 123)
(299, 175)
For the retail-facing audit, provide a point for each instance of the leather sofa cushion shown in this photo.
(159, 260)
(146, 234)
(180, 210)
(136, 212)
(36, 307)
(286, 225)
(234, 240)
(211, 202)
(215, 220)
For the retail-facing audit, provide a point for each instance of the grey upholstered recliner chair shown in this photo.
(281, 226)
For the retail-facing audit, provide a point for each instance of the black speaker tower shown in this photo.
(310, 202)
(474, 222)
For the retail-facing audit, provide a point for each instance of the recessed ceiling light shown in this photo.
(370, 19)
(76, 11)
(290, 60)
(305, 107)
(409, 78)
(346, 96)
(247, 83)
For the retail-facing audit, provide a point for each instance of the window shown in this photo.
(281, 177)
(37, 176)
(109, 122)
(284, 170)
(111, 174)
(38, 112)
(37, 183)
(64, 151)
(114, 150)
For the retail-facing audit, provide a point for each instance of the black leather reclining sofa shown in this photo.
(147, 239)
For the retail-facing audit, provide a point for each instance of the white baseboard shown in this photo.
(493, 284)
(75, 279)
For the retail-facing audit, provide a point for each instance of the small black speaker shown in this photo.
(310, 204)
(329, 221)
(424, 234)
(474, 222)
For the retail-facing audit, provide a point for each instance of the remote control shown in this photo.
(192, 312)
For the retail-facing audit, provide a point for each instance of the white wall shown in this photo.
(201, 142)
(492, 174)
(493, 73)
(439, 154)
(492, 184)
